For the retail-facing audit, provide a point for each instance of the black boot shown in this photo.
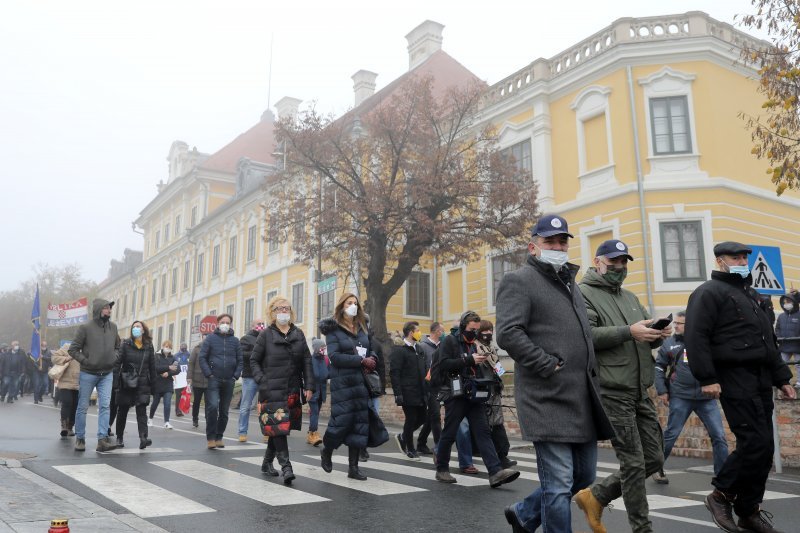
(286, 467)
(266, 464)
(363, 455)
(327, 459)
(353, 472)
(64, 428)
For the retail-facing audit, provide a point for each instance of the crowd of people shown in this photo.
(583, 368)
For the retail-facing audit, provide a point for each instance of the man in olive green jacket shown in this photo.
(623, 343)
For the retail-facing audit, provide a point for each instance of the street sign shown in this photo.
(326, 285)
(767, 269)
(208, 324)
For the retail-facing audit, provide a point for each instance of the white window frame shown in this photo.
(254, 229)
(448, 313)
(301, 318)
(679, 215)
(490, 304)
(664, 83)
(216, 253)
(430, 295)
(590, 103)
(251, 303)
(233, 252)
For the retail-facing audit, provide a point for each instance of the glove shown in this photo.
(368, 363)
(398, 399)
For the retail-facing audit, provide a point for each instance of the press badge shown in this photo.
(499, 369)
(361, 351)
(455, 384)
(685, 358)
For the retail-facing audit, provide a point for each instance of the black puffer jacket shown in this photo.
(163, 362)
(352, 422)
(248, 342)
(133, 358)
(408, 369)
(281, 366)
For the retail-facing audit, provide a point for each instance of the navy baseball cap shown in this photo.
(550, 225)
(613, 248)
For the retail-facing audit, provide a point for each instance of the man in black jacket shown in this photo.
(459, 362)
(249, 385)
(407, 370)
(433, 415)
(678, 389)
(734, 355)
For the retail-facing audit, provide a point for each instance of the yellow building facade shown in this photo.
(634, 133)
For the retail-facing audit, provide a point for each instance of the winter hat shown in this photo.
(317, 345)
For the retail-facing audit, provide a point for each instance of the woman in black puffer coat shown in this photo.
(352, 422)
(281, 365)
(136, 354)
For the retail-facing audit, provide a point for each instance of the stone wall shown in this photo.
(693, 441)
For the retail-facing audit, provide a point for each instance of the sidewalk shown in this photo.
(24, 495)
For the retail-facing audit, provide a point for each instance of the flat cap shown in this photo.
(731, 248)
(550, 225)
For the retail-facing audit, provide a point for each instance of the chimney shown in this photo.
(287, 107)
(363, 85)
(423, 41)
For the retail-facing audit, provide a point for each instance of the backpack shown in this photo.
(435, 375)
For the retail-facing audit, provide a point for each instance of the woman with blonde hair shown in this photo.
(352, 422)
(281, 365)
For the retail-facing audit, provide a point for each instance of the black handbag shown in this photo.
(129, 379)
(373, 382)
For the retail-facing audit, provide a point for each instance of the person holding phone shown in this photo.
(623, 338)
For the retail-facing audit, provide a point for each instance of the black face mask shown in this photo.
(470, 335)
(486, 338)
(105, 318)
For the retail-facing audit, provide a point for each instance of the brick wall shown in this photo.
(693, 441)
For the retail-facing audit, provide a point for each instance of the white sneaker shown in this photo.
(167, 425)
(149, 422)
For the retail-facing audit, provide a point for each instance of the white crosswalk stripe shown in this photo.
(137, 495)
(768, 495)
(137, 451)
(413, 471)
(254, 488)
(397, 455)
(522, 464)
(372, 485)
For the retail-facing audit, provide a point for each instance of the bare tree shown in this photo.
(416, 174)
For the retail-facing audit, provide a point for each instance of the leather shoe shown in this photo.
(592, 508)
(721, 511)
(469, 470)
(511, 518)
(759, 522)
(502, 477)
(326, 454)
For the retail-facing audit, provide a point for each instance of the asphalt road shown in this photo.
(181, 486)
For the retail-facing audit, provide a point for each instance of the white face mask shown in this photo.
(788, 307)
(351, 310)
(282, 318)
(556, 258)
(166, 351)
(224, 328)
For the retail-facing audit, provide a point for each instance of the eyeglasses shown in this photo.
(283, 308)
(680, 323)
(259, 323)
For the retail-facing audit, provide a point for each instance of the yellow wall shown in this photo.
(594, 131)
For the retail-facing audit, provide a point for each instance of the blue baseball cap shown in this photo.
(613, 248)
(549, 225)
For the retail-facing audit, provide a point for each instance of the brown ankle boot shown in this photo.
(721, 509)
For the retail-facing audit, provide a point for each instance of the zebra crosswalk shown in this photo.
(388, 474)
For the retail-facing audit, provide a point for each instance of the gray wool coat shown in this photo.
(539, 323)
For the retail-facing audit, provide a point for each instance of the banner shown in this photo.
(36, 351)
(69, 314)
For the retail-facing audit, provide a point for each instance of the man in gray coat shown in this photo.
(542, 324)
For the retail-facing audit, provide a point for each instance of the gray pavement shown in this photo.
(180, 486)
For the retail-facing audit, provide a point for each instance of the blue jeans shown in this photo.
(40, 385)
(249, 391)
(87, 383)
(218, 402)
(157, 397)
(10, 382)
(710, 416)
(464, 445)
(564, 469)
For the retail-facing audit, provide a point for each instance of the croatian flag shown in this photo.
(35, 340)
(69, 314)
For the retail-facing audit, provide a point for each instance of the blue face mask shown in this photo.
(136, 332)
(742, 270)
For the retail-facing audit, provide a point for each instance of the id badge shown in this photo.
(361, 351)
(499, 369)
(455, 385)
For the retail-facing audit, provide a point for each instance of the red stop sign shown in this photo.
(208, 324)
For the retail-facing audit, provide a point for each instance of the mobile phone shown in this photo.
(661, 323)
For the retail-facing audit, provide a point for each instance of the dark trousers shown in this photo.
(141, 419)
(500, 440)
(415, 417)
(433, 420)
(455, 411)
(197, 397)
(218, 401)
(278, 444)
(744, 473)
(69, 404)
(40, 384)
(10, 383)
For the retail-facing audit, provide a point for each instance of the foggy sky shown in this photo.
(93, 93)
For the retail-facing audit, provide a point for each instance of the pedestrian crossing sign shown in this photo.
(767, 269)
